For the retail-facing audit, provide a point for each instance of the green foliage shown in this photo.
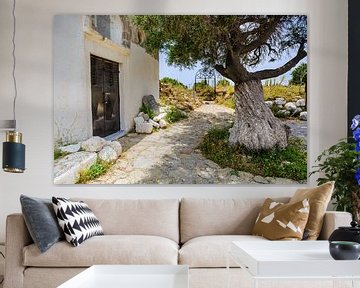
(339, 163)
(174, 82)
(147, 111)
(96, 170)
(209, 39)
(59, 154)
(175, 115)
(290, 162)
(201, 86)
(227, 102)
(298, 75)
(289, 93)
(223, 82)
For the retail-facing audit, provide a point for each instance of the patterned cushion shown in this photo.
(319, 198)
(77, 220)
(279, 221)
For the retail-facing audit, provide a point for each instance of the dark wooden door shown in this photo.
(105, 96)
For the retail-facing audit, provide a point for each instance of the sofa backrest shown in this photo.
(159, 217)
(200, 217)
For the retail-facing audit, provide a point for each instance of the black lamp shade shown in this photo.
(13, 157)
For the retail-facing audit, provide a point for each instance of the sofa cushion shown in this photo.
(77, 220)
(279, 221)
(137, 217)
(107, 249)
(201, 217)
(319, 198)
(211, 251)
(41, 221)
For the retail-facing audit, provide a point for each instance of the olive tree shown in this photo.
(235, 46)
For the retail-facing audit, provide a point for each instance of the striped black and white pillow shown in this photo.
(77, 220)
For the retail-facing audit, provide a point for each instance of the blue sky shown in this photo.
(187, 76)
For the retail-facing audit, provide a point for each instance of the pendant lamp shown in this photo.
(13, 149)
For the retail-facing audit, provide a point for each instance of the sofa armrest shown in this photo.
(333, 220)
(17, 237)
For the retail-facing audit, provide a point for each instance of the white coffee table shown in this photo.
(292, 260)
(131, 276)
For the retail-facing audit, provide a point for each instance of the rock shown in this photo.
(303, 116)
(283, 113)
(116, 146)
(261, 180)
(163, 124)
(139, 120)
(296, 112)
(280, 101)
(269, 103)
(68, 168)
(159, 117)
(144, 116)
(155, 124)
(301, 103)
(290, 106)
(150, 103)
(70, 148)
(107, 154)
(144, 128)
(93, 144)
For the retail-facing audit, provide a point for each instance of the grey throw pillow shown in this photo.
(41, 222)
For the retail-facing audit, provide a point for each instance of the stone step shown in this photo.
(67, 170)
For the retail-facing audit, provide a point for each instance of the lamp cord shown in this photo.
(14, 60)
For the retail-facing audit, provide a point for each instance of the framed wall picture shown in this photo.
(180, 99)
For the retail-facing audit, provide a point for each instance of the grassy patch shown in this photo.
(59, 154)
(175, 115)
(290, 162)
(147, 111)
(289, 93)
(95, 170)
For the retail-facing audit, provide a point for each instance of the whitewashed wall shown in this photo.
(139, 76)
(327, 88)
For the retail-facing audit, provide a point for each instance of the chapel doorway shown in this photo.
(105, 96)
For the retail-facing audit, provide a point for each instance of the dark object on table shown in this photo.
(351, 233)
(344, 250)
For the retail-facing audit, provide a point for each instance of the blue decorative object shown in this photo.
(355, 126)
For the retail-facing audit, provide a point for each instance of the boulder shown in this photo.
(283, 113)
(107, 154)
(269, 103)
(290, 106)
(303, 116)
(93, 144)
(150, 103)
(163, 124)
(70, 148)
(155, 124)
(144, 128)
(280, 101)
(296, 112)
(67, 169)
(159, 117)
(139, 120)
(116, 146)
(144, 116)
(301, 103)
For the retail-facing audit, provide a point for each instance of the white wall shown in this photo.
(327, 88)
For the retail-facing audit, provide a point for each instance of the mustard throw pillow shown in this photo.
(319, 198)
(279, 221)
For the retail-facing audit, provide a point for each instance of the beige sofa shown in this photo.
(194, 232)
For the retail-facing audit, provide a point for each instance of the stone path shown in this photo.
(170, 156)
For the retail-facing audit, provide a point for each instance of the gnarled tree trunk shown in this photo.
(255, 126)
